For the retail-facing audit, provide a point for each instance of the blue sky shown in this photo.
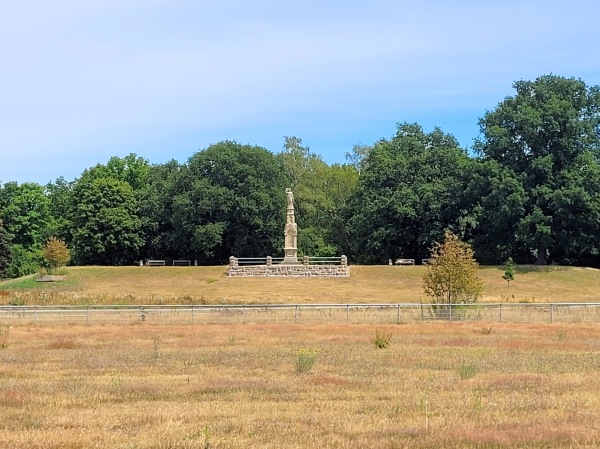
(82, 81)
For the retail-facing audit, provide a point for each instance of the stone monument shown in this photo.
(290, 266)
(291, 232)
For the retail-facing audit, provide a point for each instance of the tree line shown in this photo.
(528, 190)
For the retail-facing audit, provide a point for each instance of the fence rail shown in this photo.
(303, 313)
(258, 260)
(304, 260)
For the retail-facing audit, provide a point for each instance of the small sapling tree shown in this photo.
(451, 274)
(56, 254)
(509, 273)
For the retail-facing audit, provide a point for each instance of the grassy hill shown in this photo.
(367, 284)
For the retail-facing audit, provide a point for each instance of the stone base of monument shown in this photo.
(289, 271)
(282, 269)
(290, 256)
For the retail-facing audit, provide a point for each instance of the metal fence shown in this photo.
(305, 260)
(302, 313)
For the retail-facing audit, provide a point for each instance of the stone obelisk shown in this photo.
(291, 232)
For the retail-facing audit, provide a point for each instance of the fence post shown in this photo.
(551, 313)
(192, 314)
(500, 312)
(87, 316)
(296, 314)
(450, 314)
(347, 312)
(398, 315)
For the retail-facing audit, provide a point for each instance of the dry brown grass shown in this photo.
(235, 386)
(367, 284)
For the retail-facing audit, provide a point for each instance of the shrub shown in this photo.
(467, 370)
(381, 339)
(485, 330)
(56, 254)
(305, 359)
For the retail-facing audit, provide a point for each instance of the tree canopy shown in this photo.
(530, 190)
(106, 228)
(229, 200)
(406, 194)
(546, 137)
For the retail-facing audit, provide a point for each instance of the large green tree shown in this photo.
(104, 211)
(409, 192)
(25, 211)
(106, 227)
(229, 199)
(495, 199)
(131, 168)
(547, 136)
(157, 196)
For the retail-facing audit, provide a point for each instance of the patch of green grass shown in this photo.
(26, 282)
(467, 370)
(30, 283)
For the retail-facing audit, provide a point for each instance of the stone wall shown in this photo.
(289, 271)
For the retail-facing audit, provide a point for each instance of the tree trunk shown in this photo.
(541, 255)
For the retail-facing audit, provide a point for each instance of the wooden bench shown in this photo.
(405, 262)
(182, 263)
(155, 263)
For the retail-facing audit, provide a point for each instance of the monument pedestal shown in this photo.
(290, 257)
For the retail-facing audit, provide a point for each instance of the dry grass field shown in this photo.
(367, 284)
(437, 385)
